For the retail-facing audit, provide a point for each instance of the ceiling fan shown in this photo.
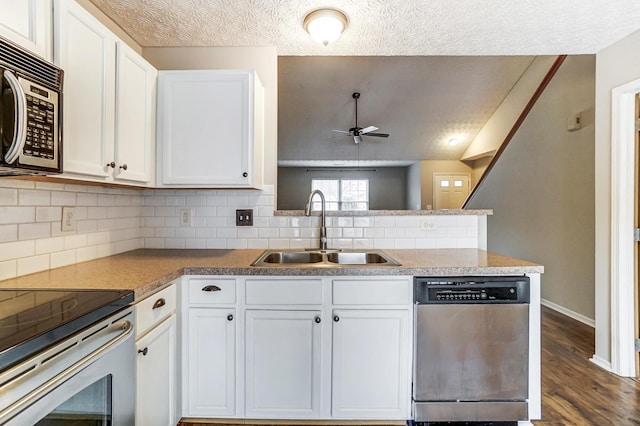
(357, 132)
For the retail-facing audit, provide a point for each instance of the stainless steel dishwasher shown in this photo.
(471, 349)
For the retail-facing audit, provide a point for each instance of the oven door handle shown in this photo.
(20, 125)
(126, 328)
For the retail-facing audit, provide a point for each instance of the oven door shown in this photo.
(97, 387)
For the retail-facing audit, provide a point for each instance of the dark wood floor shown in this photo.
(574, 390)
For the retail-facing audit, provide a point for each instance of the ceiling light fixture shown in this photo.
(453, 142)
(325, 25)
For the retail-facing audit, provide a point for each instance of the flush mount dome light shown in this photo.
(325, 25)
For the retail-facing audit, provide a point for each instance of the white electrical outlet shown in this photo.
(427, 224)
(68, 219)
(185, 217)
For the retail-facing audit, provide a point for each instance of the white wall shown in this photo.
(615, 65)
(542, 190)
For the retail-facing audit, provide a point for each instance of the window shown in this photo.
(342, 194)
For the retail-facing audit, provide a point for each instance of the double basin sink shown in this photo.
(311, 258)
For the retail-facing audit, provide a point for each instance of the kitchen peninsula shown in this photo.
(235, 326)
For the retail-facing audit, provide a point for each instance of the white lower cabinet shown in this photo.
(210, 362)
(283, 369)
(156, 375)
(156, 359)
(371, 359)
(296, 347)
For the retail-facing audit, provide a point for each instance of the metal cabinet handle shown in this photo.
(112, 164)
(143, 351)
(336, 318)
(318, 320)
(124, 166)
(159, 303)
(211, 288)
(229, 317)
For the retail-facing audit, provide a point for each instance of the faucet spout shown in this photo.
(307, 212)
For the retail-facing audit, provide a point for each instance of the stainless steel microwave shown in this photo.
(30, 113)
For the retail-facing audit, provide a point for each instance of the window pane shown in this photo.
(444, 184)
(331, 191)
(355, 194)
(457, 183)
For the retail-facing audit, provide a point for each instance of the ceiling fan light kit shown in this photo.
(357, 132)
(325, 25)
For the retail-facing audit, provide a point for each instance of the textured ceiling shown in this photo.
(421, 101)
(384, 27)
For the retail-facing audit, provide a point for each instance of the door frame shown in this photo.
(623, 159)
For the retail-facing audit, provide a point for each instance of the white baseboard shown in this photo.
(576, 316)
(600, 362)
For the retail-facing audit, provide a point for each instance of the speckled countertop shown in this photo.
(147, 270)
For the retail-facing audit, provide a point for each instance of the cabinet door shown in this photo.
(28, 23)
(283, 364)
(156, 375)
(135, 116)
(85, 50)
(205, 127)
(371, 359)
(209, 362)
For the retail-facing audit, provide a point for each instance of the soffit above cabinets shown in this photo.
(384, 27)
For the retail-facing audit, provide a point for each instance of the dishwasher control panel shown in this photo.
(499, 289)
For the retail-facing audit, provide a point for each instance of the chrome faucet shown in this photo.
(323, 228)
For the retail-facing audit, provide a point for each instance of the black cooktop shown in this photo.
(33, 319)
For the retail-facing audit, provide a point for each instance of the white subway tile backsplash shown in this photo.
(8, 233)
(31, 231)
(30, 265)
(113, 220)
(17, 214)
(8, 197)
(17, 250)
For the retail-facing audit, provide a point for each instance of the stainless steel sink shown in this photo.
(280, 257)
(319, 258)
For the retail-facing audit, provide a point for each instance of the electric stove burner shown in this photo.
(31, 320)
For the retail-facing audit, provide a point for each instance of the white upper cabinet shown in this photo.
(135, 116)
(109, 99)
(210, 129)
(28, 23)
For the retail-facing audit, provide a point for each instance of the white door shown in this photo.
(283, 364)
(28, 23)
(209, 361)
(204, 127)
(156, 375)
(450, 191)
(371, 359)
(135, 116)
(85, 50)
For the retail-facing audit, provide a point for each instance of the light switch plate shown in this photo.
(244, 217)
(185, 217)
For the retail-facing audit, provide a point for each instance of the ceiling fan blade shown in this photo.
(341, 131)
(368, 129)
(379, 135)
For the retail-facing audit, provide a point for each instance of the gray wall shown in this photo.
(542, 190)
(387, 186)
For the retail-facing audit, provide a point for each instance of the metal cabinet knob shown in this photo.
(336, 318)
(318, 320)
(143, 351)
(124, 166)
(112, 164)
(159, 303)
(211, 288)
(229, 317)
(245, 174)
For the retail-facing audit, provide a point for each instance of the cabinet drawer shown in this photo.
(154, 309)
(372, 292)
(212, 290)
(284, 292)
